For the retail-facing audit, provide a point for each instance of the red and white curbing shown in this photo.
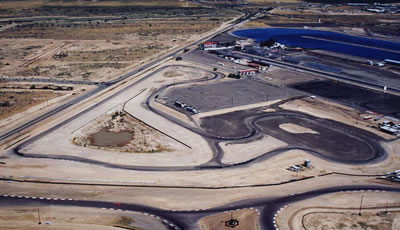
(34, 198)
(112, 209)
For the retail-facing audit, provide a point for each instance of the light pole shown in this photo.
(359, 213)
(39, 216)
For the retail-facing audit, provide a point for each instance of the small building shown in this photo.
(241, 61)
(248, 72)
(208, 45)
(257, 66)
(389, 130)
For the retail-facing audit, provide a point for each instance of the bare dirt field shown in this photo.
(95, 41)
(69, 218)
(294, 128)
(369, 220)
(380, 211)
(13, 102)
(96, 55)
(119, 132)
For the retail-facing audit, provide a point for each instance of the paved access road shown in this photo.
(186, 220)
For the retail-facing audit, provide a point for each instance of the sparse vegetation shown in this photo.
(343, 220)
(144, 138)
(13, 102)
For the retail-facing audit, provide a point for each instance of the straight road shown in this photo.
(268, 206)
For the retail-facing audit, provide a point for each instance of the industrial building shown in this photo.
(390, 127)
(208, 45)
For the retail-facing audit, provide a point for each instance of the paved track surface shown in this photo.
(243, 126)
(267, 206)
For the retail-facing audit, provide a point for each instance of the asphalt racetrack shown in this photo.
(333, 141)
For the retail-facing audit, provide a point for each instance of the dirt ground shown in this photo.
(13, 102)
(69, 218)
(341, 211)
(92, 40)
(144, 138)
(98, 60)
(248, 220)
(369, 220)
(294, 128)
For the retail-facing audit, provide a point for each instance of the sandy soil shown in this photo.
(369, 220)
(293, 128)
(248, 220)
(134, 97)
(18, 101)
(240, 152)
(69, 218)
(340, 211)
(35, 110)
(86, 60)
(145, 139)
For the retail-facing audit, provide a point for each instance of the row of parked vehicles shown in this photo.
(186, 107)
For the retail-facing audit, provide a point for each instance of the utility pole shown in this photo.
(359, 213)
(387, 204)
(38, 210)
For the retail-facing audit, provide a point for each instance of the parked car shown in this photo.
(191, 109)
(179, 104)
